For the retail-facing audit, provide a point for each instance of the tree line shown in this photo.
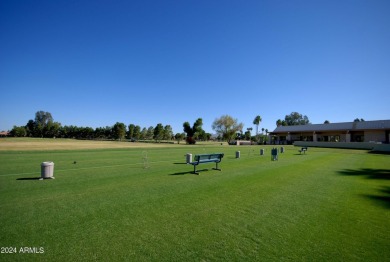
(226, 127)
(44, 126)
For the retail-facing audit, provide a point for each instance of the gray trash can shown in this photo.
(282, 149)
(261, 152)
(188, 158)
(47, 170)
(237, 154)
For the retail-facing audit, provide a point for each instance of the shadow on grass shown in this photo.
(181, 173)
(379, 152)
(383, 197)
(28, 178)
(187, 172)
(368, 172)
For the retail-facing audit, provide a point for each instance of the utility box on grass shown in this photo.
(261, 152)
(238, 154)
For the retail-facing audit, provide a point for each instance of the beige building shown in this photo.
(366, 131)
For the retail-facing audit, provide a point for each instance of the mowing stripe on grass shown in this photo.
(87, 168)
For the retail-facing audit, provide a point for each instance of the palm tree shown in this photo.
(256, 122)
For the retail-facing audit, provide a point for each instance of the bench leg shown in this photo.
(216, 167)
(196, 173)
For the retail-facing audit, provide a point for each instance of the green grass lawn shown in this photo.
(326, 205)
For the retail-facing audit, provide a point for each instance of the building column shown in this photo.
(348, 137)
(314, 137)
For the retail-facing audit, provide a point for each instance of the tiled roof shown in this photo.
(364, 125)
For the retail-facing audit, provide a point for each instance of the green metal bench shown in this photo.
(207, 158)
(303, 149)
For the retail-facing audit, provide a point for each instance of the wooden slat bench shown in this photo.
(207, 158)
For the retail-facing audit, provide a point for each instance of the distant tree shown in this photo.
(42, 120)
(52, 129)
(67, 132)
(227, 127)
(19, 131)
(262, 130)
(295, 118)
(358, 120)
(130, 132)
(99, 133)
(30, 128)
(108, 132)
(256, 122)
(239, 136)
(119, 131)
(168, 133)
(196, 129)
(326, 122)
(187, 129)
(88, 132)
(137, 132)
(150, 133)
(262, 139)
(200, 134)
(280, 122)
(144, 133)
(247, 135)
(158, 132)
(179, 137)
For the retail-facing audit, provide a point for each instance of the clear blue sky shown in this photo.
(95, 63)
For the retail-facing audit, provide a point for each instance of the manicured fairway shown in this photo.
(326, 205)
